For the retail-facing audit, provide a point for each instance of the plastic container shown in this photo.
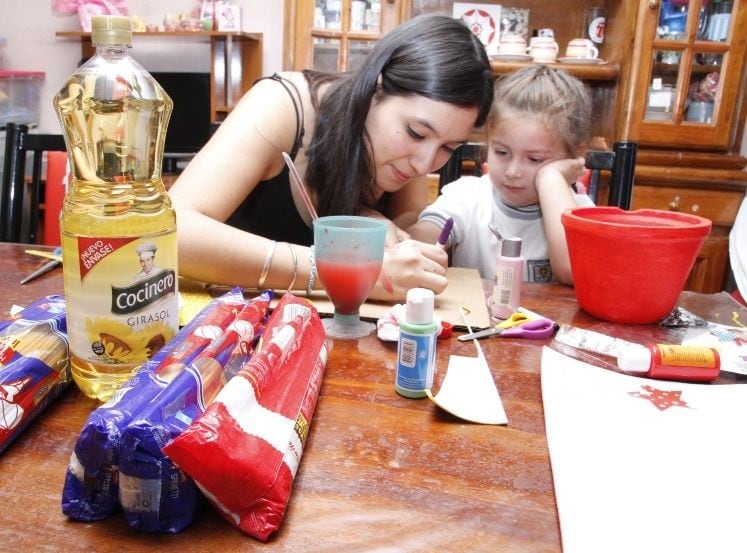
(19, 97)
(117, 223)
(509, 274)
(672, 362)
(416, 351)
(630, 266)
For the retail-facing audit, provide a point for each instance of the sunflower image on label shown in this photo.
(122, 303)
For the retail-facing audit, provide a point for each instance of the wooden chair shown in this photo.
(621, 164)
(469, 156)
(19, 201)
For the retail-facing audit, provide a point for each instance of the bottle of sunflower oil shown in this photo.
(117, 223)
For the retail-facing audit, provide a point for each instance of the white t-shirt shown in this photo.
(738, 249)
(474, 204)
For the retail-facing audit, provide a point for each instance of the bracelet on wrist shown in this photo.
(312, 271)
(267, 265)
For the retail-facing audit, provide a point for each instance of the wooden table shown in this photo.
(379, 471)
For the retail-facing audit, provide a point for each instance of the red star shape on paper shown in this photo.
(662, 399)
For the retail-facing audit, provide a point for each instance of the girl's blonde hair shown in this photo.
(552, 95)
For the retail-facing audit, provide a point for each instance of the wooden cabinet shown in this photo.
(336, 35)
(684, 90)
(681, 99)
(235, 62)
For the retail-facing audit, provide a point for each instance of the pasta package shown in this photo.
(155, 494)
(34, 364)
(91, 488)
(245, 450)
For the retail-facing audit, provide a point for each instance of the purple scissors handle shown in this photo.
(537, 329)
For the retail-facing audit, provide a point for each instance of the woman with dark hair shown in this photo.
(363, 142)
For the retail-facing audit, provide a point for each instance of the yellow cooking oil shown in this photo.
(117, 223)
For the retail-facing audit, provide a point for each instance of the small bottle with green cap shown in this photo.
(121, 307)
(416, 351)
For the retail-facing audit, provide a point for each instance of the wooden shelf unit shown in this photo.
(235, 62)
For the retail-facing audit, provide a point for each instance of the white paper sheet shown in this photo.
(469, 392)
(643, 465)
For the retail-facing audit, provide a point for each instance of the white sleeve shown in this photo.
(454, 201)
(738, 249)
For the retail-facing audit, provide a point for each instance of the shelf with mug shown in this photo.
(597, 72)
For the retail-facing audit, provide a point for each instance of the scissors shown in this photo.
(528, 327)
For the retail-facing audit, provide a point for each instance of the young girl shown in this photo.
(537, 130)
(363, 143)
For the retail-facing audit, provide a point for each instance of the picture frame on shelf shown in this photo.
(515, 21)
(484, 20)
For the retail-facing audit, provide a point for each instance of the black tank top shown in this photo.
(269, 210)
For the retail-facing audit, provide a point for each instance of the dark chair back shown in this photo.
(473, 152)
(621, 164)
(19, 201)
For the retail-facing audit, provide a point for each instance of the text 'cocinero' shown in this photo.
(139, 296)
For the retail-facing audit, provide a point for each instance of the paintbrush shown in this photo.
(296, 178)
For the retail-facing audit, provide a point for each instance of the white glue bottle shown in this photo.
(416, 352)
(509, 273)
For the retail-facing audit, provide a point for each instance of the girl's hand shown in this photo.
(569, 170)
(411, 264)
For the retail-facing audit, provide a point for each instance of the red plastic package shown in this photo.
(244, 451)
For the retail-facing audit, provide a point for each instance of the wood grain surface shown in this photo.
(379, 472)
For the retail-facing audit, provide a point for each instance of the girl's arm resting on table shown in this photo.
(555, 196)
(404, 207)
(425, 231)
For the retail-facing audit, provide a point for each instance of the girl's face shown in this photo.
(411, 136)
(517, 148)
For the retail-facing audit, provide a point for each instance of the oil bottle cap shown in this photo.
(511, 247)
(635, 359)
(111, 29)
(419, 306)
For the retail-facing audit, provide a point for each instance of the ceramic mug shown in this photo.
(581, 48)
(512, 45)
(544, 52)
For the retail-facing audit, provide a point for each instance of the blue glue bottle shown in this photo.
(416, 351)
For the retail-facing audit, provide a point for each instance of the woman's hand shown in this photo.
(410, 264)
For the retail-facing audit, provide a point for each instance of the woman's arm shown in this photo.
(245, 149)
(555, 196)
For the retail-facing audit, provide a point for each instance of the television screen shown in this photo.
(189, 126)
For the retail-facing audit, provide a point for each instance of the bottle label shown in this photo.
(416, 356)
(688, 356)
(121, 296)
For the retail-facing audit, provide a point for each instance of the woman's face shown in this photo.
(517, 148)
(411, 136)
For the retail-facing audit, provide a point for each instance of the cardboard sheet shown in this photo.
(644, 465)
(464, 289)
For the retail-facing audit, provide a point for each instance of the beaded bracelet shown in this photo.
(295, 266)
(312, 271)
(266, 266)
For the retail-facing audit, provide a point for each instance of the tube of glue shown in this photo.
(672, 362)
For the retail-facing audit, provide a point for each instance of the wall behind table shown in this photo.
(30, 26)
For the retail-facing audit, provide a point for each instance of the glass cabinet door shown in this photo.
(344, 32)
(691, 78)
